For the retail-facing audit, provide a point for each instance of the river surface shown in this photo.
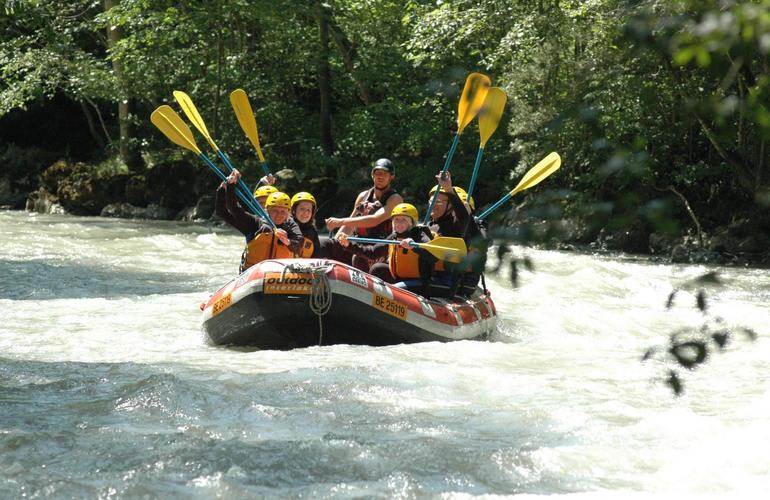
(107, 388)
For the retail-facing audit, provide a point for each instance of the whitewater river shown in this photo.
(107, 388)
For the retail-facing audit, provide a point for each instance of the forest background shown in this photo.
(660, 109)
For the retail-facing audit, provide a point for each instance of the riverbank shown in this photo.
(178, 190)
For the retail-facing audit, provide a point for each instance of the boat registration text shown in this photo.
(389, 306)
(221, 304)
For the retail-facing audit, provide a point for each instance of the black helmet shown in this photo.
(384, 164)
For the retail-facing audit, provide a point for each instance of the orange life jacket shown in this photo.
(262, 247)
(403, 262)
(306, 249)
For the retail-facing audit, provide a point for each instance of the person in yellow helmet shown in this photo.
(303, 209)
(403, 261)
(264, 189)
(262, 241)
(449, 216)
(470, 206)
(262, 192)
(476, 239)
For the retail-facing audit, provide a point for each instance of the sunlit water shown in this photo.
(108, 389)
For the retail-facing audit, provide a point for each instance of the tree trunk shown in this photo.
(324, 80)
(128, 150)
(107, 135)
(348, 54)
(220, 63)
(218, 92)
(92, 126)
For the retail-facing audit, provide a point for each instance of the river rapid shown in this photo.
(107, 388)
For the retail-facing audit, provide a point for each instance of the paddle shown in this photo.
(192, 114)
(536, 174)
(177, 131)
(471, 100)
(442, 247)
(245, 115)
(489, 118)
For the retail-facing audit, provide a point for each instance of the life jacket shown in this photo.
(438, 267)
(262, 247)
(306, 249)
(441, 266)
(403, 262)
(307, 245)
(370, 205)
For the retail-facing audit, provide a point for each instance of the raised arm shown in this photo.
(462, 217)
(241, 220)
(220, 207)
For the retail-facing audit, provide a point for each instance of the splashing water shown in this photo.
(107, 388)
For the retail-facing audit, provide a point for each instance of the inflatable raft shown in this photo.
(290, 303)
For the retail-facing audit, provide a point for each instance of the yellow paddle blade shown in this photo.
(245, 115)
(446, 248)
(173, 127)
(192, 114)
(474, 93)
(543, 169)
(490, 113)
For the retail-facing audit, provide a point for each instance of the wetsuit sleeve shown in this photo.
(241, 220)
(421, 234)
(294, 233)
(462, 217)
(220, 207)
(219, 201)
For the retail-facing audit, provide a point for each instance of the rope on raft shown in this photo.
(320, 292)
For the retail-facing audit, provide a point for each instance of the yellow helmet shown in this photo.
(433, 190)
(464, 198)
(460, 191)
(302, 196)
(264, 191)
(405, 209)
(278, 199)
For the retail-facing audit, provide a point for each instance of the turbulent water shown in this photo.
(107, 388)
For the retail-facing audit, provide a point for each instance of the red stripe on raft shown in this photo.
(467, 314)
(444, 313)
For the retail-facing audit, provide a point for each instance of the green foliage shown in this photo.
(638, 97)
(47, 48)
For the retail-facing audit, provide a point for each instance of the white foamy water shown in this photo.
(107, 388)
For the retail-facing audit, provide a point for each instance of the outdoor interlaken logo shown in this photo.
(287, 284)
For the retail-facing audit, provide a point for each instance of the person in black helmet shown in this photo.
(370, 217)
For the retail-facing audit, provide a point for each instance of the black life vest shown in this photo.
(370, 205)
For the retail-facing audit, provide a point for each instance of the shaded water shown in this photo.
(107, 388)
